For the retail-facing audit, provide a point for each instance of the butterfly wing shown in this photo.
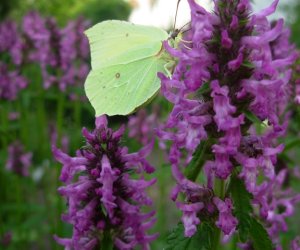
(114, 42)
(120, 89)
(125, 61)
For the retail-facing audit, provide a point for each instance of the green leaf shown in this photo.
(252, 117)
(292, 144)
(201, 240)
(195, 165)
(259, 236)
(242, 206)
(248, 64)
(204, 89)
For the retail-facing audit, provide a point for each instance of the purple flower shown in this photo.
(101, 194)
(226, 222)
(199, 200)
(37, 36)
(276, 204)
(11, 82)
(296, 244)
(64, 140)
(10, 41)
(189, 218)
(297, 92)
(18, 160)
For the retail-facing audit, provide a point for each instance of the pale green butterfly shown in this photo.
(125, 61)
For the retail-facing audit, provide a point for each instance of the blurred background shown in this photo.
(44, 60)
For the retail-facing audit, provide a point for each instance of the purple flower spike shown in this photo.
(102, 196)
(233, 66)
(64, 51)
(11, 41)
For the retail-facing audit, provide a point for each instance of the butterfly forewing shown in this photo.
(116, 42)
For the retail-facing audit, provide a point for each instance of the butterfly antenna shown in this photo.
(188, 23)
(178, 1)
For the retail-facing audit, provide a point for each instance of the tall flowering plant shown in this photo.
(105, 201)
(230, 90)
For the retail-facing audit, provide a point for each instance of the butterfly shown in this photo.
(125, 60)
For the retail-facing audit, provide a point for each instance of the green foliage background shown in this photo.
(292, 11)
(64, 10)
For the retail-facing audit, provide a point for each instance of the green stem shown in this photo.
(162, 180)
(107, 241)
(23, 125)
(60, 117)
(4, 125)
(234, 242)
(75, 141)
(42, 122)
(19, 198)
(77, 112)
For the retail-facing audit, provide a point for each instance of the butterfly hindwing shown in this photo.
(120, 89)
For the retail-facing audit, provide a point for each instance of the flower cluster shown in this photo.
(61, 53)
(11, 41)
(18, 160)
(102, 197)
(277, 203)
(64, 51)
(11, 49)
(11, 82)
(232, 76)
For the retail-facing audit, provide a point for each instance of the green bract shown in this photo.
(125, 61)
